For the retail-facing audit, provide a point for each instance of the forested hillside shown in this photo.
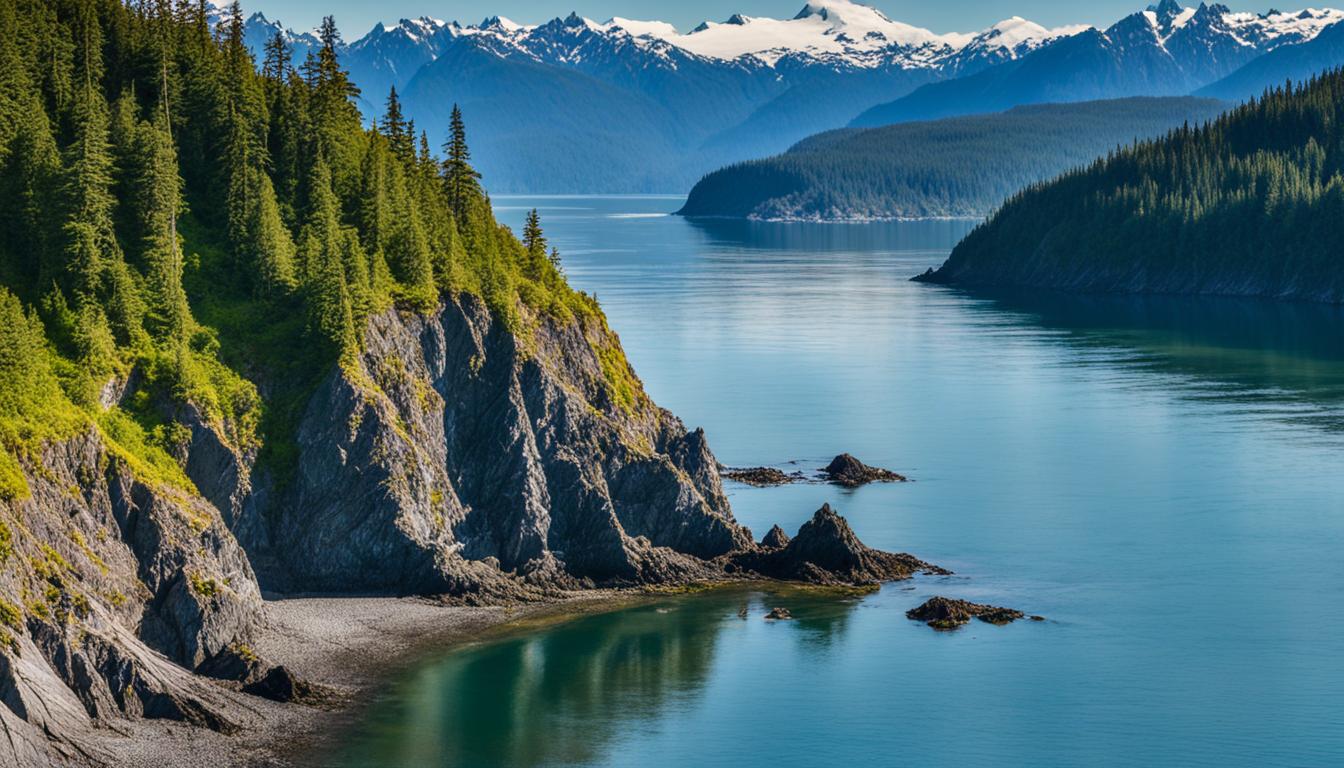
(1248, 205)
(171, 207)
(247, 341)
(961, 166)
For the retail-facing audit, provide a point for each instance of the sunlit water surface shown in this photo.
(1160, 478)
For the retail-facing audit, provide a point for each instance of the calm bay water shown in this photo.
(1160, 478)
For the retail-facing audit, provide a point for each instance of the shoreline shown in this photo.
(354, 647)
(351, 646)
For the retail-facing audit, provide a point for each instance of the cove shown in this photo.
(1158, 477)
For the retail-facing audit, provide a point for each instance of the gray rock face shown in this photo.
(113, 588)
(456, 456)
(775, 538)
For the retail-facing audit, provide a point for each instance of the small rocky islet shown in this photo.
(950, 613)
(844, 470)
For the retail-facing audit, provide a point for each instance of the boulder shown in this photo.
(280, 684)
(850, 472)
(762, 477)
(779, 614)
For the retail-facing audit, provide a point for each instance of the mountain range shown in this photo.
(575, 105)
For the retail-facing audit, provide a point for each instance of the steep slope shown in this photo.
(460, 457)
(1246, 206)
(816, 100)
(963, 166)
(550, 128)
(1295, 63)
(1167, 51)
(116, 576)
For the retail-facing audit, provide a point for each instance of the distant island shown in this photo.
(1248, 205)
(955, 167)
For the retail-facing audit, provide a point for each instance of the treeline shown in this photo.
(1249, 204)
(162, 192)
(964, 166)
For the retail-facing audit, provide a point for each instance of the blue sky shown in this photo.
(355, 17)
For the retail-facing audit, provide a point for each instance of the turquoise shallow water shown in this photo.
(1160, 478)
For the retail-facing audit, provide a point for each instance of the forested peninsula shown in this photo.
(1247, 205)
(955, 167)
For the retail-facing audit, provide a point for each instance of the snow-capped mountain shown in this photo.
(1286, 63)
(1165, 50)
(574, 104)
(838, 33)
(389, 57)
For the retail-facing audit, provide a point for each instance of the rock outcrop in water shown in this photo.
(762, 477)
(850, 472)
(949, 613)
(827, 552)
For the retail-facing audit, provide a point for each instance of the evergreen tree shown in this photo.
(213, 211)
(323, 256)
(534, 243)
(159, 189)
(278, 61)
(461, 181)
(400, 134)
(95, 270)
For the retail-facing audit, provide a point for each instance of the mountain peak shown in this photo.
(1167, 9)
(501, 24)
(840, 11)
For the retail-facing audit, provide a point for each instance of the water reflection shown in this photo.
(564, 695)
(1278, 359)
(921, 235)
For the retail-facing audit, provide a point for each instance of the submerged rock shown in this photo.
(850, 472)
(778, 614)
(762, 477)
(950, 613)
(827, 552)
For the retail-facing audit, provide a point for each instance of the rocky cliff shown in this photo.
(457, 456)
(111, 589)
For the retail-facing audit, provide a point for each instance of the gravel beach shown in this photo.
(348, 645)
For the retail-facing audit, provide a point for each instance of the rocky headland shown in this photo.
(453, 458)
